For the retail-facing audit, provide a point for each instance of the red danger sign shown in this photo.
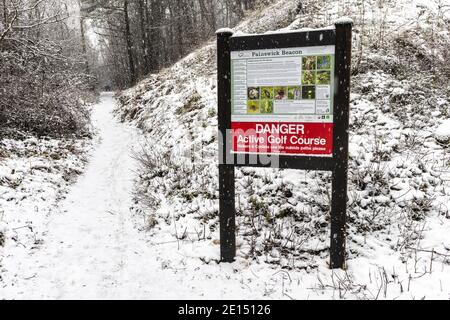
(283, 138)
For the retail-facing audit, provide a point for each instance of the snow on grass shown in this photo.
(34, 176)
(399, 188)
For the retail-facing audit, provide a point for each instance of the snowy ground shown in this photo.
(158, 238)
(91, 249)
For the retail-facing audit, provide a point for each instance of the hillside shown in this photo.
(399, 178)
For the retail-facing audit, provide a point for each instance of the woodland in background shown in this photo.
(138, 37)
(54, 54)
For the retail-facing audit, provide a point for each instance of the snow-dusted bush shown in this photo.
(40, 94)
(42, 75)
(442, 133)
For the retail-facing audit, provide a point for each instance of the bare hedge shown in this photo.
(40, 89)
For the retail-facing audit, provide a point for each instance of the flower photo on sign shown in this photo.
(280, 93)
(309, 63)
(309, 92)
(266, 106)
(253, 93)
(267, 93)
(323, 62)
(323, 77)
(295, 93)
(308, 77)
(253, 107)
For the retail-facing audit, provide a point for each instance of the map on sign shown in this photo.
(282, 101)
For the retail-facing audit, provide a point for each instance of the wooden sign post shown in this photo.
(283, 101)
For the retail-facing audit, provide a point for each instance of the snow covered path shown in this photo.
(92, 250)
(86, 253)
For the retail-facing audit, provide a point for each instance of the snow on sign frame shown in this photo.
(283, 102)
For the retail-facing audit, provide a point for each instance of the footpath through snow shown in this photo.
(92, 249)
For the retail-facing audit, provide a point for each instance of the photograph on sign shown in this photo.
(282, 101)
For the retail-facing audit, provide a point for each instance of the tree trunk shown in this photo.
(144, 37)
(83, 45)
(5, 15)
(210, 14)
(129, 43)
(180, 34)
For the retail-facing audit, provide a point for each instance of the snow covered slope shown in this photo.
(35, 175)
(399, 184)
